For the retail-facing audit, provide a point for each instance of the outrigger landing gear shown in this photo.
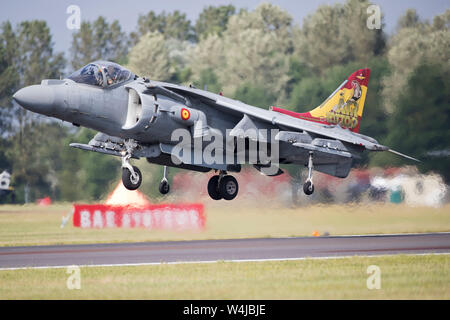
(131, 175)
(223, 186)
(164, 186)
(308, 187)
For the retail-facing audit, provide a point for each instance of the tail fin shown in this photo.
(344, 106)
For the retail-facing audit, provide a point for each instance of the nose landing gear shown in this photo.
(131, 175)
(223, 186)
(308, 187)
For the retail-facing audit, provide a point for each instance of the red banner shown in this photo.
(158, 216)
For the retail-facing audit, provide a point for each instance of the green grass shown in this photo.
(402, 277)
(35, 225)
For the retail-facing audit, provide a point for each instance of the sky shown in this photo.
(127, 12)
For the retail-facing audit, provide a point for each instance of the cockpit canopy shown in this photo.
(101, 74)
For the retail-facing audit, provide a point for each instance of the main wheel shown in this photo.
(213, 188)
(228, 187)
(164, 187)
(131, 182)
(308, 188)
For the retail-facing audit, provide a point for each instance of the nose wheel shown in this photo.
(308, 187)
(131, 175)
(131, 179)
(223, 186)
(164, 186)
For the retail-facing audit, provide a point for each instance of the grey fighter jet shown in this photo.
(138, 117)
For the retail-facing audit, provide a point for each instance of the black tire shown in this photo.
(213, 188)
(126, 179)
(228, 187)
(164, 187)
(308, 188)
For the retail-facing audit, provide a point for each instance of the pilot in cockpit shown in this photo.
(111, 74)
(99, 77)
(101, 74)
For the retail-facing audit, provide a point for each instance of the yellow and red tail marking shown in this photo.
(344, 107)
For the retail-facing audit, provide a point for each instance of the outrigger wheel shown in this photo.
(308, 187)
(164, 186)
(131, 181)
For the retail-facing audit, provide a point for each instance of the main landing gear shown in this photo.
(223, 186)
(308, 187)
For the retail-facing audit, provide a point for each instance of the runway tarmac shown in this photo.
(214, 250)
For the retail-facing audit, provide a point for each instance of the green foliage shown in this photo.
(9, 77)
(213, 20)
(4, 160)
(409, 20)
(98, 40)
(307, 94)
(26, 57)
(338, 34)
(375, 117)
(254, 95)
(208, 54)
(35, 53)
(92, 174)
(178, 26)
(255, 48)
(100, 171)
(312, 90)
(182, 76)
(297, 71)
(150, 57)
(209, 80)
(171, 25)
(419, 124)
(51, 168)
(34, 155)
(414, 43)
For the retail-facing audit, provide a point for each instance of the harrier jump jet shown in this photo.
(136, 117)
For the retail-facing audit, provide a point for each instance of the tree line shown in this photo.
(257, 56)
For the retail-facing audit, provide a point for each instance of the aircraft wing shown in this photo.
(275, 118)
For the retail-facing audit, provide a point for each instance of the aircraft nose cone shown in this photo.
(37, 98)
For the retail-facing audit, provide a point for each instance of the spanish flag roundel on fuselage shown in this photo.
(185, 114)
